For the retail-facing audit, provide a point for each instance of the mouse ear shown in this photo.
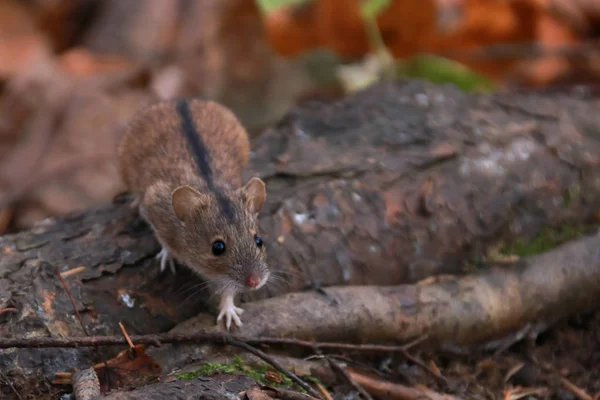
(186, 200)
(255, 194)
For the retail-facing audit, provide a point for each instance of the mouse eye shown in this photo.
(258, 241)
(218, 247)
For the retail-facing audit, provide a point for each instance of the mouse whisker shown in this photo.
(286, 278)
(222, 284)
(192, 286)
(276, 287)
(276, 280)
(288, 274)
(189, 297)
(195, 290)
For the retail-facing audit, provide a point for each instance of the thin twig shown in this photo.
(129, 342)
(426, 367)
(91, 341)
(324, 392)
(264, 356)
(202, 336)
(520, 393)
(73, 271)
(7, 310)
(72, 301)
(338, 368)
(570, 386)
(576, 390)
(284, 394)
(374, 348)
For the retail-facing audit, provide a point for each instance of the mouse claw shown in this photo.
(164, 257)
(231, 315)
(230, 312)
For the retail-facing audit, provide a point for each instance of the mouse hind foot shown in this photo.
(165, 257)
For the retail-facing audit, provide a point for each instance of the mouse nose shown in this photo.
(252, 280)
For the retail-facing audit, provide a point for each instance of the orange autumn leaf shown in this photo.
(286, 29)
(460, 29)
(486, 23)
(337, 25)
(551, 34)
(21, 44)
(83, 63)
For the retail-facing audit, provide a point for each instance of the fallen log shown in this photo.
(468, 310)
(387, 187)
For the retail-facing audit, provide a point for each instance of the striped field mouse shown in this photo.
(183, 161)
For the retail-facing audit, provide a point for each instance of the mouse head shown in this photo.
(220, 234)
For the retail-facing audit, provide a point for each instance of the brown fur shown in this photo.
(157, 166)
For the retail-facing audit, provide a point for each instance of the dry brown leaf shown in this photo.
(66, 130)
(130, 368)
(76, 176)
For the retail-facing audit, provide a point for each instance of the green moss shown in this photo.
(372, 8)
(267, 6)
(314, 380)
(237, 366)
(208, 369)
(546, 239)
(440, 70)
(369, 8)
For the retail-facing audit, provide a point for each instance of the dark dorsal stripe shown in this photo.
(194, 140)
(201, 156)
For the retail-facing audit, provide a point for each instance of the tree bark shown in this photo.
(460, 311)
(399, 182)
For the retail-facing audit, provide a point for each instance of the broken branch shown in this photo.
(62, 281)
(389, 390)
(340, 370)
(245, 346)
(198, 337)
(463, 310)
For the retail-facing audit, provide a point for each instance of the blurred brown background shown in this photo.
(73, 72)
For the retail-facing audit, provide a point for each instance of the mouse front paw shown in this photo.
(165, 258)
(230, 312)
